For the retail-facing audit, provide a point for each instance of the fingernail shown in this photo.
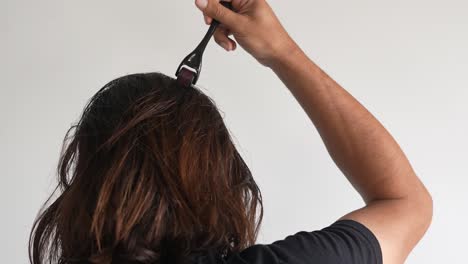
(225, 45)
(201, 4)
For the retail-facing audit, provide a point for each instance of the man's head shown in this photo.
(149, 173)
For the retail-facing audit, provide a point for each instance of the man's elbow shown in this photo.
(424, 210)
(428, 209)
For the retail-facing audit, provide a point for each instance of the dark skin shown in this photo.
(398, 207)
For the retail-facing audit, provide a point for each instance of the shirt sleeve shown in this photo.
(345, 241)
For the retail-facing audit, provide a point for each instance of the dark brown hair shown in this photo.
(150, 175)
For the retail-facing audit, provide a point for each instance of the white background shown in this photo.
(406, 61)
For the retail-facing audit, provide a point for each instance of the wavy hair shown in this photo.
(149, 174)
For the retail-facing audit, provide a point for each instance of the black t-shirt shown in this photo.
(343, 242)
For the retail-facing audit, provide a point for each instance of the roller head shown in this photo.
(185, 78)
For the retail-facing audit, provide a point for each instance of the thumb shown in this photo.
(215, 10)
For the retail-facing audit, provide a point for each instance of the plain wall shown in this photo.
(406, 61)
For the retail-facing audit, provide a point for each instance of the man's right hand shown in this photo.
(254, 26)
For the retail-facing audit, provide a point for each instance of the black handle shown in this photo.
(194, 59)
(214, 24)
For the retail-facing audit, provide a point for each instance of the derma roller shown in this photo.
(189, 69)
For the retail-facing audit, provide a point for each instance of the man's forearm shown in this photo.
(360, 146)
